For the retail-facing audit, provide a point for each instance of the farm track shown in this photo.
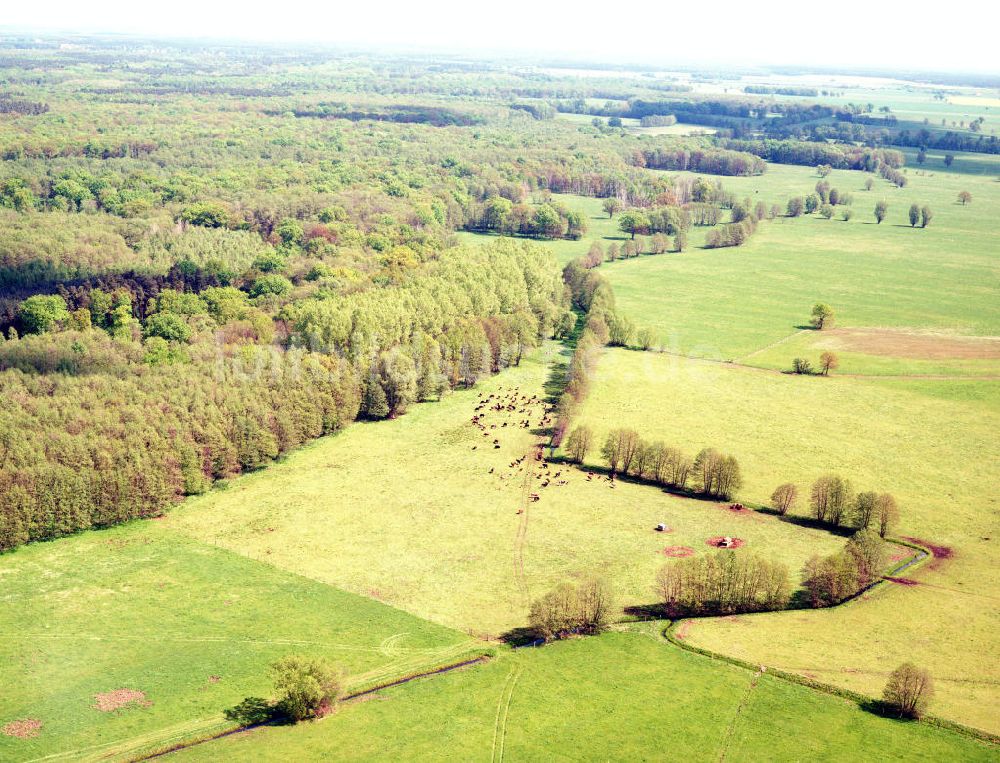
(503, 713)
(730, 730)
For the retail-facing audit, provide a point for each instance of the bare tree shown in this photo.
(908, 690)
(784, 497)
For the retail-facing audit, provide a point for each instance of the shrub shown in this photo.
(307, 686)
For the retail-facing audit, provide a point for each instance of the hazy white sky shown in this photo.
(853, 32)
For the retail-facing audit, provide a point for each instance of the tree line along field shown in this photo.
(938, 456)
(618, 696)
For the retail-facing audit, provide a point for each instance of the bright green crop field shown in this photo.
(190, 626)
(621, 696)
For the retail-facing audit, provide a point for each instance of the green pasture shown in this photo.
(621, 696)
(933, 447)
(192, 626)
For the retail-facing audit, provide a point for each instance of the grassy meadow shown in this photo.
(728, 303)
(621, 696)
(462, 544)
(191, 626)
(937, 454)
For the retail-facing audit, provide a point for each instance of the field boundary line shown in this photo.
(731, 729)
(772, 344)
(351, 697)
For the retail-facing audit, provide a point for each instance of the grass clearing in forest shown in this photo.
(935, 451)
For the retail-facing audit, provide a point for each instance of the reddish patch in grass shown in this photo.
(110, 701)
(903, 581)
(897, 343)
(26, 728)
(214, 679)
(941, 554)
(682, 631)
(678, 552)
(719, 540)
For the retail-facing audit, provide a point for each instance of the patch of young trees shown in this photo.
(829, 580)
(581, 608)
(722, 583)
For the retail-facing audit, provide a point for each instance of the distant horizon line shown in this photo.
(569, 58)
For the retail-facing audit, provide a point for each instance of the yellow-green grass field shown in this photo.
(407, 512)
(936, 450)
(191, 626)
(620, 696)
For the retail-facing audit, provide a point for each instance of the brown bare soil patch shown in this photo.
(678, 552)
(26, 728)
(903, 581)
(110, 701)
(941, 554)
(912, 344)
(719, 541)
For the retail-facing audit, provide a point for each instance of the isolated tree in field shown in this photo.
(824, 169)
(801, 366)
(948, 159)
(579, 443)
(881, 210)
(796, 206)
(826, 211)
(812, 203)
(926, 215)
(612, 205)
(307, 687)
(908, 691)
(784, 497)
(619, 449)
(965, 197)
(612, 253)
(822, 316)
(568, 608)
(680, 241)
(914, 215)
(831, 499)
(846, 214)
(828, 362)
(921, 156)
(869, 184)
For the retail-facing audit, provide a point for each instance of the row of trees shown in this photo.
(714, 474)
(722, 583)
(832, 501)
(712, 161)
